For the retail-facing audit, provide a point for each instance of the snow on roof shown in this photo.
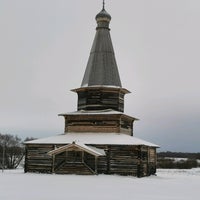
(92, 150)
(86, 87)
(97, 150)
(97, 112)
(93, 112)
(107, 86)
(93, 138)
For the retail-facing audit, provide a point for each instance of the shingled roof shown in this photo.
(102, 67)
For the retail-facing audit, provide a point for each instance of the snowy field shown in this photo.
(167, 185)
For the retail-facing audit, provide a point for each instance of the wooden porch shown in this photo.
(75, 159)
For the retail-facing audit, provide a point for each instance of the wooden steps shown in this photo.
(74, 168)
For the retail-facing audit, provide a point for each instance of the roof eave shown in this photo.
(103, 87)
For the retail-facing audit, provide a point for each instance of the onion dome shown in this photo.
(103, 16)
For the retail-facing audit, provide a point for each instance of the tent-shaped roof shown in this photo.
(102, 67)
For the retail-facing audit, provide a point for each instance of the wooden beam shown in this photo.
(96, 164)
(53, 164)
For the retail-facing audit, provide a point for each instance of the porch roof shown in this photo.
(89, 149)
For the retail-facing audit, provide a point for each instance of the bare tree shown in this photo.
(29, 139)
(11, 151)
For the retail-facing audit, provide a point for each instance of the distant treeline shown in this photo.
(179, 155)
(168, 160)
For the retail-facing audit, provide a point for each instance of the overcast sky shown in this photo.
(45, 45)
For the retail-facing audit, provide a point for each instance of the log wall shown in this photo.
(131, 160)
(37, 160)
(101, 99)
(112, 123)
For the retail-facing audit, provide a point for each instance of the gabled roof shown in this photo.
(102, 67)
(91, 150)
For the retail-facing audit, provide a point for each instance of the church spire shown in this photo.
(101, 87)
(102, 67)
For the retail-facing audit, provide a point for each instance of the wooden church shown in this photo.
(98, 137)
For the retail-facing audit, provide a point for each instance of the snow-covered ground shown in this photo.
(167, 185)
